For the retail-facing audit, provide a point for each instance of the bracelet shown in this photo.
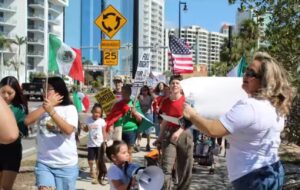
(52, 113)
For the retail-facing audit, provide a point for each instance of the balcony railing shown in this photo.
(41, 41)
(39, 2)
(8, 7)
(33, 27)
(35, 53)
(34, 15)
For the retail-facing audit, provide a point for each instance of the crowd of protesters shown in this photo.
(254, 136)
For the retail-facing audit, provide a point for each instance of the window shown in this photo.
(30, 63)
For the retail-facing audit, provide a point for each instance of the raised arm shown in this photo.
(212, 128)
(9, 131)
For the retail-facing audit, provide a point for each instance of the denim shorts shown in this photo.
(61, 178)
(129, 137)
(269, 177)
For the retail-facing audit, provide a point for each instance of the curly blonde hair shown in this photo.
(275, 85)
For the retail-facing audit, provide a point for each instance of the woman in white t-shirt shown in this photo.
(253, 126)
(95, 125)
(57, 119)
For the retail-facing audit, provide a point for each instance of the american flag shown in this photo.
(180, 56)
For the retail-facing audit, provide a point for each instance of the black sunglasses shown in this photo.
(251, 73)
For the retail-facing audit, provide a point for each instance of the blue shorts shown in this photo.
(129, 137)
(61, 178)
(269, 177)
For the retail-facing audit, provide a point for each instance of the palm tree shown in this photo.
(18, 41)
(249, 34)
(5, 43)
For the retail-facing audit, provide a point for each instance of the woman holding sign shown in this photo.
(253, 126)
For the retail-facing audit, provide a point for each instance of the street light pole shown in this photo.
(179, 17)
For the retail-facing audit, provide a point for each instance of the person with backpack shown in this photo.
(11, 154)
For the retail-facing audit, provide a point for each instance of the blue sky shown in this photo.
(208, 14)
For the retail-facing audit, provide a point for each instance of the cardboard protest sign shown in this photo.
(106, 98)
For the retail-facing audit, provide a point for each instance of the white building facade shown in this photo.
(33, 19)
(151, 32)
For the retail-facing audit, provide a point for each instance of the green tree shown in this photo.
(5, 43)
(219, 69)
(283, 37)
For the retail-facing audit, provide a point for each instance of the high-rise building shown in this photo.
(34, 20)
(151, 31)
(44, 17)
(205, 46)
(225, 29)
(90, 36)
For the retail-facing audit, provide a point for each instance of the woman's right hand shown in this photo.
(52, 101)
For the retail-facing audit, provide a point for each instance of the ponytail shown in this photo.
(102, 170)
(108, 149)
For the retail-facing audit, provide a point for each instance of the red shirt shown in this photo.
(173, 108)
(156, 103)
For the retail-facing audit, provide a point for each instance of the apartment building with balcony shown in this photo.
(44, 17)
(33, 19)
(151, 32)
(205, 46)
(12, 22)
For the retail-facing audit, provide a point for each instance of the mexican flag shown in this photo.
(239, 69)
(64, 60)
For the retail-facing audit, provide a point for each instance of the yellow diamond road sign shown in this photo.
(110, 21)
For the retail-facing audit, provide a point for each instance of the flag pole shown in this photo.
(46, 85)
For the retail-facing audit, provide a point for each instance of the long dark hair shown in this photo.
(19, 99)
(157, 90)
(109, 151)
(60, 87)
(145, 87)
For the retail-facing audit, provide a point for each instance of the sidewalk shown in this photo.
(84, 182)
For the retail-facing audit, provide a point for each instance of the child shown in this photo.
(95, 125)
(11, 154)
(117, 152)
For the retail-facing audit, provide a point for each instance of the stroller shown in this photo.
(204, 148)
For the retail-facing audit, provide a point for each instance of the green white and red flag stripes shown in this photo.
(64, 60)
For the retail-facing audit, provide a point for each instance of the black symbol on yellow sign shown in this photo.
(110, 21)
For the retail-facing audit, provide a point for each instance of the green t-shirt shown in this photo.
(20, 115)
(128, 122)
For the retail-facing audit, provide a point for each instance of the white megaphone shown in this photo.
(149, 178)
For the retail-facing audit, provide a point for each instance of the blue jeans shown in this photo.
(269, 177)
(63, 178)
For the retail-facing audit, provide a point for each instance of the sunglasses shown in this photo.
(251, 73)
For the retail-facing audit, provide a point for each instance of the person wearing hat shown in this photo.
(118, 82)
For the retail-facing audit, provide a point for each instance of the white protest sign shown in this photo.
(214, 96)
(142, 72)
